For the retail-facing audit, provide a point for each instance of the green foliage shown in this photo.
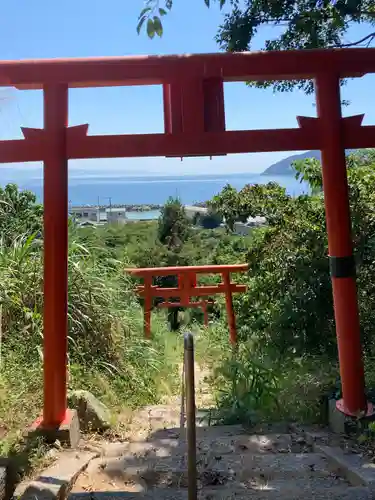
(246, 388)
(306, 25)
(19, 214)
(151, 15)
(173, 231)
(227, 204)
(310, 170)
(211, 220)
(174, 226)
(288, 308)
(290, 300)
(105, 326)
(284, 388)
(304, 387)
(21, 295)
(267, 200)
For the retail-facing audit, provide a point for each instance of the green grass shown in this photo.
(20, 398)
(251, 388)
(143, 372)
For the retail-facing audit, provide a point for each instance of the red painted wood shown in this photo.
(210, 144)
(166, 271)
(340, 242)
(55, 254)
(199, 291)
(187, 288)
(192, 106)
(149, 70)
(193, 280)
(172, 108)
(166, 305)
(214, 109)
(147, 306)
(229, 307)
(191, 144)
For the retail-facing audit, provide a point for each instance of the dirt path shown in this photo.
(167, 415)
(141, 439)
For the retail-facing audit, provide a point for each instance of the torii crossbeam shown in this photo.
(194, 119)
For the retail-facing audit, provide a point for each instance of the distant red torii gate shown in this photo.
(188, 287)
(194, 121)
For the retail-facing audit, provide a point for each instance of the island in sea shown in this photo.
(285, 166)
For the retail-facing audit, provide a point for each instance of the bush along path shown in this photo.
(273, 462)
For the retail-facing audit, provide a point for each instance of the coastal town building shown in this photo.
(84, 214)
(116, 215)
(93, 215)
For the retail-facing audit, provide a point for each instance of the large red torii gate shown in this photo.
(194, 120)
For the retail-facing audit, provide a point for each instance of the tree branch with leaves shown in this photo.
(305, 24)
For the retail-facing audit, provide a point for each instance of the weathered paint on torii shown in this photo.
(194, 119)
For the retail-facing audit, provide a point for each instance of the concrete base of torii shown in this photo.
(340, 423)
(68, 432)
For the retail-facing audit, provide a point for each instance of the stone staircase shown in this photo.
(274, 463)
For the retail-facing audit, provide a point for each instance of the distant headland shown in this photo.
(285, 166)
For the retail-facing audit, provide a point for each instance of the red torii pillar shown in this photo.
(340, 248)
(55, 254)
(57, 421)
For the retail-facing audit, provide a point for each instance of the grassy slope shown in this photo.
(107, 352)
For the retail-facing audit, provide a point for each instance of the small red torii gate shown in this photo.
(194, 119)
(188, 287)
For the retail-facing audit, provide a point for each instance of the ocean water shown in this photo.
(147, 215)
(156, 190)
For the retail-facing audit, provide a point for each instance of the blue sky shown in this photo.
(79, 28)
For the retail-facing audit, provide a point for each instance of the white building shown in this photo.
(116, 215)
(192, 211)
(98, 215)
(85, 214)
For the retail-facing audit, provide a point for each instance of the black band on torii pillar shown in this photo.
(342, 267)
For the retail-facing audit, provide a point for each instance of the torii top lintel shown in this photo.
(149, 70)
(193, 98)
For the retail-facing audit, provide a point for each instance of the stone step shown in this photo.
(224, 445)
(211, 432)
(315, 493)
(217, 479)
(255, 443)
(222, 468)
(160, 415)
